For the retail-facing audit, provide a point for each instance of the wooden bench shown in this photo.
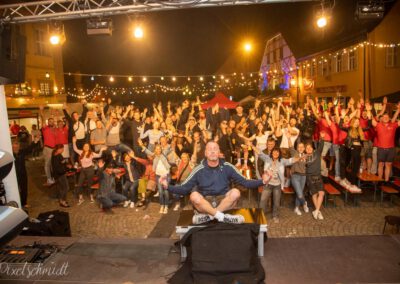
(368, 178)
(251, 215)
(331, 191)
(347, 192)
(388, 190)
(286, 191)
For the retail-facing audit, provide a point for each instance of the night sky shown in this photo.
(205, 40)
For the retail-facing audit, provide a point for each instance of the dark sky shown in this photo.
(203, 40)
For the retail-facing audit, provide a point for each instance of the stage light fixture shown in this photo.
(99, 26)
(370, 10)
(56, 33)
(138, 32)
(321, 22)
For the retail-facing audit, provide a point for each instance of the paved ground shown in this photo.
(87, 220)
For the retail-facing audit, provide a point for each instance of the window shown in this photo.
(339, 63)
(281, 52)
(313, 70)
(320, 68)
(352, 61)
(391, 57)
(46, 87)
(272, 57)
(41, 44)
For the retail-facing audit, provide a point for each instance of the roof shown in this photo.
(221, 100)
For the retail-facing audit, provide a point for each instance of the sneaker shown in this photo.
(319, 216)
(337, 179)
(276, 220)
(165, 210)
(297, 211)
(132, 205)
(315, 214)
(161, 210)
(305, 207)
(201, 218)
(157, 194)
(50, 181)
(81, 201)
(126, 203)
(344, 183)
(177, 206)
(233, 219)
(354, 188)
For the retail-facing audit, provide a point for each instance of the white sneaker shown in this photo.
(50, 181)
(305, 207)
(319, 216)
(81, 201)
(297, 211)
(315, 214)
(233, 219)
(201, 218)
(344, 183)
(126, 203)
(132, 205)
(161, 210)
(156, 195)
(177, 206)
(354, 188)
(337, 179)
(165, 210)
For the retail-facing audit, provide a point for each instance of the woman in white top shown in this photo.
(154, 135)
(86, 174)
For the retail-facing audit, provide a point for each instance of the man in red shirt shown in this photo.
(385, 135)
(49, 142)
(62, 137)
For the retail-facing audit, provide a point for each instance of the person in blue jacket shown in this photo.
(209, 187)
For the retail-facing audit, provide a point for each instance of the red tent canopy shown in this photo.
(221, 100)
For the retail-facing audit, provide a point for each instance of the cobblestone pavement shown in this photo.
(87, 220)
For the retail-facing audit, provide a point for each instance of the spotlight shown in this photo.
(111, 79)
(138, 32)
(56, 33)
(247, 47)
(321, 22)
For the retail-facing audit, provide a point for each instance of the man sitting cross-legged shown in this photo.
(209, 182)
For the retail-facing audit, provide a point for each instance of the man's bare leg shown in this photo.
(388, 171)
(230, 200)
(201, 204)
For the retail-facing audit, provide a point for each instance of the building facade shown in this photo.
(278, 66)
(369, 65)
(44, 74)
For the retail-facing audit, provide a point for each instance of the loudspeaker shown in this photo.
(12, 55)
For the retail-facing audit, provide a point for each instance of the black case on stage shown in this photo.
(52, 223)
(221, 253)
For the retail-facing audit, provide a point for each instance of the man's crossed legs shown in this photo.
(207, 212)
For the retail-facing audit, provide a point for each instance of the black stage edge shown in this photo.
(354, 259)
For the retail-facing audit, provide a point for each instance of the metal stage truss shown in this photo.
(72, 9)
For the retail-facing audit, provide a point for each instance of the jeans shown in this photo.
(324, 169)
(35, 149)
(164, 195)
(298, 183)
(47, 161)
(343, 160)
(62, 187)
(336, 148)
(131, 187)
(86, 174)
(356, 162)
(275, 191)
(111, 200)
(374, 166)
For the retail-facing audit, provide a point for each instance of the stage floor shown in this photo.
(358, 259)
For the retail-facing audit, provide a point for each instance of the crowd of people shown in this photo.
(134, 153)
